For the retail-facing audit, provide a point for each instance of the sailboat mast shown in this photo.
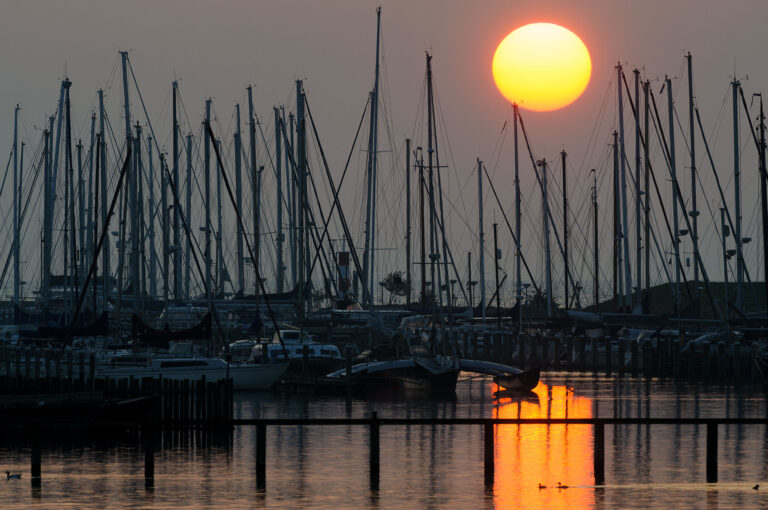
(737, 198)
(16, 204)
(481, 236)
(176, 248)
(627, 297)
(518, 252)
(188, 209)
(763, 196)
(302, 204)
(423, 231)
(207, 179)
(496, 270)
(638, 194)
(408, 219)
(239, 201)
(151, 227)
(616, 235)
(219, 248)
(373, 158)
(675, 206)
(254, 198)
(279, 195)
(694, 213)
(547, 259)
(647, 188)
(105, 271)
(565, 231)
(596, 248)
(91, 217)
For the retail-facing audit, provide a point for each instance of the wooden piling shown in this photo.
(722, 362)
(633, 357)
(35, 471)
(599, 453)
(691, 362)
(544, 361)
(374, 451)
(622, 356)
(558, 352)
(594, 356)
(149, 456)
(571, 354)
(712, 452)
(261, 456)
(676, 358)
(488, 460)
(608, 355)
(583, 353)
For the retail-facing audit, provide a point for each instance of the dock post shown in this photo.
(466, 345)
(474, 345)
(721, 361)
(558, 353)
(261, 456)
(594, 355)
(608, 355)
(36, 459)
(304, 358)
(583, 353)
(633, 356)
(348, 360)
(488, 463)
(712, 452)
(676, 358)
(707, 361)
(374, 455)
(736, 360)
(92, 371)
(691, 362)
(571, 356)
(544, 361)
(622, 361)
(647, 363)
(149, 458)
(599, 453)
(81, 367)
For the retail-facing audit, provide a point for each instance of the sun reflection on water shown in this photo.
(529, 455)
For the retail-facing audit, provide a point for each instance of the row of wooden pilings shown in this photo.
(374, 423)
(47, 370)
(731, 361)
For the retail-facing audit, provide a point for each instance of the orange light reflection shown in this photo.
(529, 455)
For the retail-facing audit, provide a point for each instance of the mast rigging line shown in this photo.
(665, 151)
(514, 237)
(546, 205)
(272, 316)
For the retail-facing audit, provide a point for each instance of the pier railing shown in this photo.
(149, 429)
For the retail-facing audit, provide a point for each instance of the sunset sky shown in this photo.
(217, 48)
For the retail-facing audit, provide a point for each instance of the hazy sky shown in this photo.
(217, 48)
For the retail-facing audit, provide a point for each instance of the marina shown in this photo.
(305, 256)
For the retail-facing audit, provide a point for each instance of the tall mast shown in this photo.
(16, 203)
(481, 236)
(136, 220)
(279, 195)
(46, 266)
(518, 252)
(423, 250)
(254, 198)
(725, 231)
(105, 271)
(188, 209)
(616, 232)
(292, 206)
(207, 177)
(373, 158)
(80, 215)
(302, 203)
(763, 196)
(673, 171)
(239, 201)
(176, 249)
(547, 261)
(638, 194)
(627, 298)
(737, 192)
(408, 219)
(91, 220)
(165, 222)
(596, 249)
(565, 230)
(436, 291)
(219, 248)
(647, 188)
(496, 270)
(151, 228)
(65, 84)
(694, 212)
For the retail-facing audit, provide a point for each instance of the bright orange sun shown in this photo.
(542, 67)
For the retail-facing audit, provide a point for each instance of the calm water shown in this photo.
(433, 466)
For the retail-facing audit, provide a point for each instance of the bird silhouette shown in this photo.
(9, 476)
(561, 486)
(542, 486)
(756, 487)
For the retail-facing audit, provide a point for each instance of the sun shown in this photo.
(542, 67)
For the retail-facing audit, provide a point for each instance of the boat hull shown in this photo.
(524, 381)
